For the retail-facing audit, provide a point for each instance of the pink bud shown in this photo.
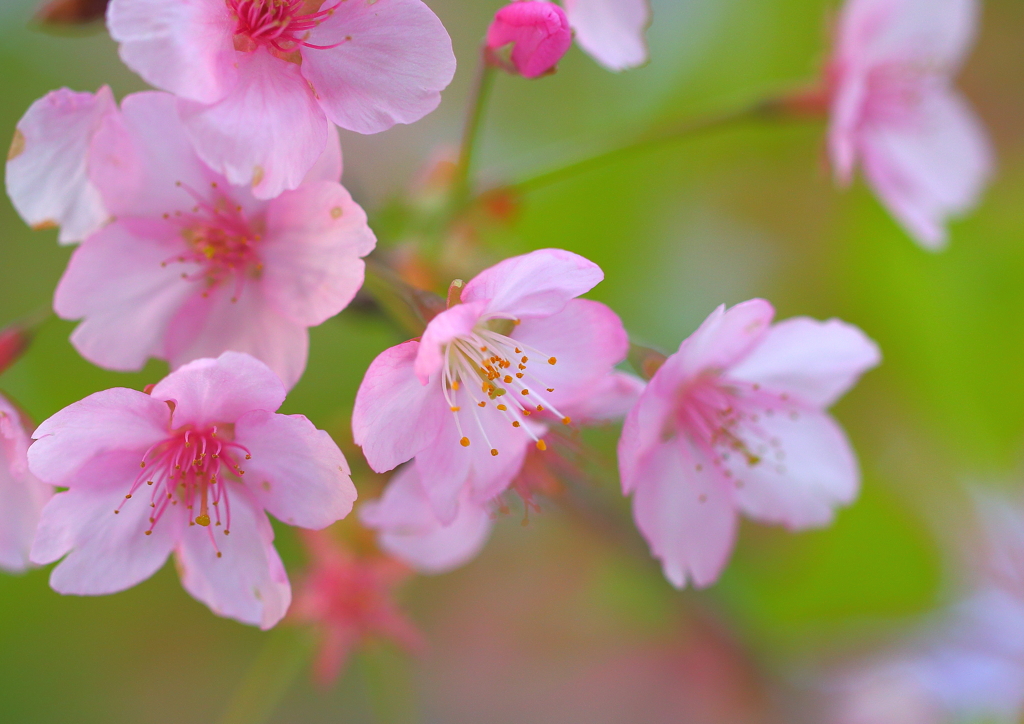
(14, 340)
(529, 37)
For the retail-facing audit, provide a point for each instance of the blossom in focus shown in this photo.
(189, 468)
(895, 111)
(262, 80)
(350, 599)
(409, 529)
(735, 422)
(535, 32)
(22, 495)
(488, 375)
(183, 265)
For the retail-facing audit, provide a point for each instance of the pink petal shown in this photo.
(393, 60)
(115, 420)
(848, 108)
(444, 468)
(297, 473)
(143, 163)
(409, 530)
(315, 238)
(248, 581)
(538, 33)
(395, 417)
(330, 165)
(612, 31)
(47, 179)
(722, 339)
(930, 169)
(22, 495)
(117, 282)
(268, 131)
(450, 324)
(106, 552)
(609, 400)
(686, 515)
(805, 467)
(586, 339)
(645, 424)
(184, 46)
(816, 362)
(217, 391)
(533, 285)
(207, 326)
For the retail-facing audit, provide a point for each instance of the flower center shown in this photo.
(281, 25)
(489, 370)
(219, 241)
(189, 468)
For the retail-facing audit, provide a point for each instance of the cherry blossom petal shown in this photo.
(445, 327)
(803, 467)
(106, 552)
(142, 161)
(845, 119)
(330, 165)
(814, 361)
(211, 391)
(930, 169)
(393, 58)
(537, 284)
(312, 265)
(409, 530)
(47, 178)
(396, 417)
(297, 473)
(644, 426)
(611, 31)
(206, 326)
(444, 468)
(268, 131)
(124, 322)
(22, 496)
(184, 47)
(492, 474)
(586, 339)
(247, 581)
(685, 514)
(610, 399)
(115, 420)
(723, 338)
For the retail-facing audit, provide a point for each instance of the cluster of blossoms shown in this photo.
(213, 231)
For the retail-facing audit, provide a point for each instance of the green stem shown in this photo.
(410, 308)
(269, 677)
(651, 141)
(461, 189)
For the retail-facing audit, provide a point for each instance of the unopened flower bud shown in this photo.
(528, 38)
(14, 340)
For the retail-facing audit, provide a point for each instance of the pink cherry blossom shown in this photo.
(189, 468)
(895, 111)
(191, 266)
(537, 33)
(261, 79)
(22, 495)
(735, 422)
(466, 400)
(611, 31)
(350, 600)
(408, 527)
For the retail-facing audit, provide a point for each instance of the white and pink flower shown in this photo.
(22, 495)
(895, 111)
(735, 422)
(189, 468)
(467, 399)
(262, 80)
(177, 263)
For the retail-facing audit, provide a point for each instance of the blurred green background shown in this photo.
(552, 623)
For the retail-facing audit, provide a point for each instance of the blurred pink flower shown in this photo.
(22, 495)
(178, 469)
(188, 265)
(735, 422)
(14, 341)
(895, 111)
(351, 600)
(260, 79)
(466, 400)
(611, 31)
(409, 529)
(537, 32)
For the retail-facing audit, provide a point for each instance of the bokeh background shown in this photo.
(554, 622)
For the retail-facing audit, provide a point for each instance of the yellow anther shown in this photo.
(541, 446)
(552, 360)
(493, 451)
(464, 442)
